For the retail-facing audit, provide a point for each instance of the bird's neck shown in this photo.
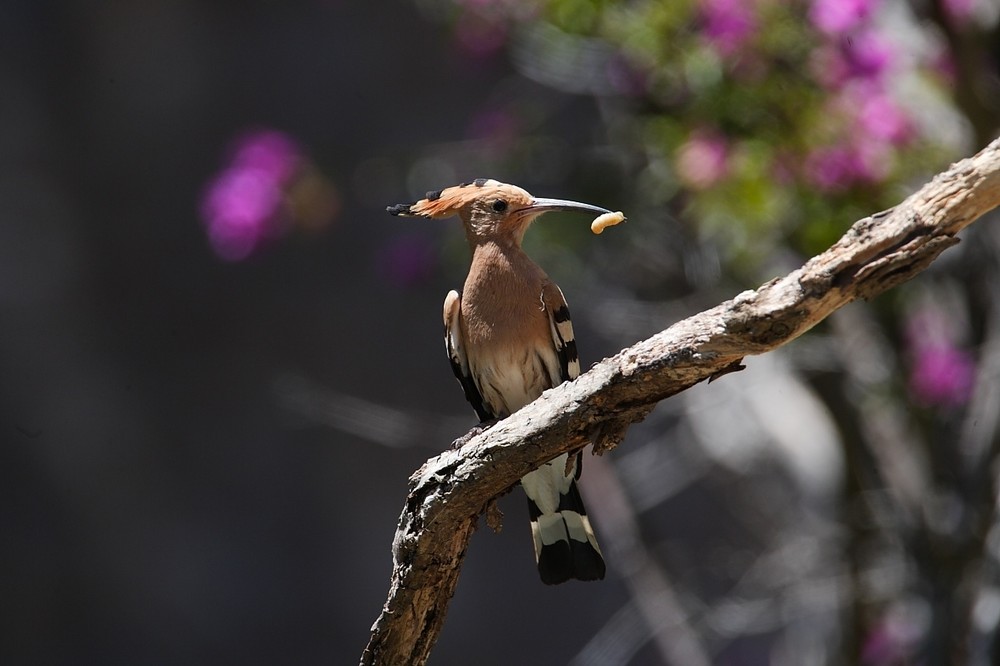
(502, 264)
(501, 299)
(493, 244)
(500, 252)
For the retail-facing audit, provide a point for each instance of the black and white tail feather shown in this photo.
(565, 545)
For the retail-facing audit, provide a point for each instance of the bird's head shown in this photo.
(489, 209)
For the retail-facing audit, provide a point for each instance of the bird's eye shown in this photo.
(499, 205)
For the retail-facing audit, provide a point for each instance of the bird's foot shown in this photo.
(475, 432)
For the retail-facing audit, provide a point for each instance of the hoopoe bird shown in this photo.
(509, 337)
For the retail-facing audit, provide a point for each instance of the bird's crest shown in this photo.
(450, 200)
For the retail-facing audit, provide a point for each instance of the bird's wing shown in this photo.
(455, 345)
(562, 330)
(565, 545)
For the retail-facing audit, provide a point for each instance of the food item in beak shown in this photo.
(602, 222)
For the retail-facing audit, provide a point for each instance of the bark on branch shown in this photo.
(450, 491)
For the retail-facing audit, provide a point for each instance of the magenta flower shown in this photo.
(727, 24)
(272, 153)
(873, 123)
(882, 119)
(836, 17)
(243, 204)
(238, 211)
(833, 168)
(868, 55)
(703, 160)
(942, 376)
(941, 373)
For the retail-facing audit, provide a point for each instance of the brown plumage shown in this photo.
(509, 337)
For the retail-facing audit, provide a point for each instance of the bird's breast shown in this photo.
(508, 335)
(509, 378)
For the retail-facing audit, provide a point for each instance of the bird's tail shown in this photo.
(565, 545)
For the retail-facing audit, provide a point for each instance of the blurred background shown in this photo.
(220, 360)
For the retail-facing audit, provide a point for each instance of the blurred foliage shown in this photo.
(765, 122)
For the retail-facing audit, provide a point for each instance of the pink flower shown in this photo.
(836, 17)
(703, 160)
(728, 24)
(274, 154)
(863, 56)
(238, 210)
(868, 55)
(872, 116)
(882, 119)
(941, 373)
(833, 168)
(942, 376)
(243, 204)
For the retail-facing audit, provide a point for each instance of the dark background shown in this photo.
(161, 502)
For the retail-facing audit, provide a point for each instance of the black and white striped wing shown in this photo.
(562, 330)
(458, 356)
(565, 545)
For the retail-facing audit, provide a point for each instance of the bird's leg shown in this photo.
(477, 430)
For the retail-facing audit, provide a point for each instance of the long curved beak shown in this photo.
(539, 206)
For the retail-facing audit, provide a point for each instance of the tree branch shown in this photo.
(450, 491)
